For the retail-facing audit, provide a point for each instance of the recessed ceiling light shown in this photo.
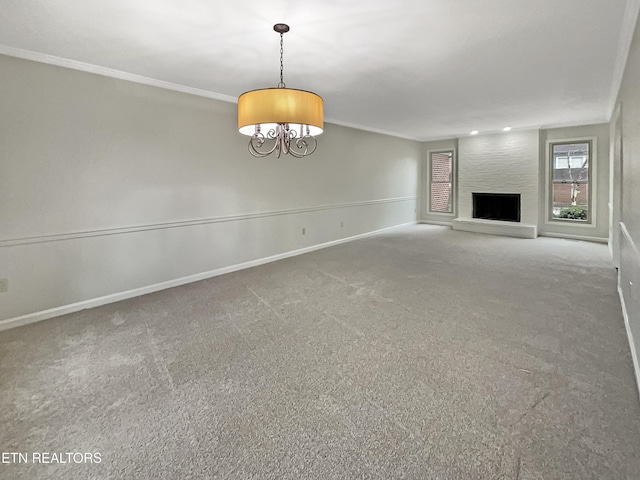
(506, 129)
(475, 132)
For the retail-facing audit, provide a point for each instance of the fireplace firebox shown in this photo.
(497, 206)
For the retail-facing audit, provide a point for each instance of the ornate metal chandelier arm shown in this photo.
(301, 146)
(258, 140)
(285, 141)
(305, 146)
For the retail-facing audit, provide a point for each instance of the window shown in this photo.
(441, 182)
(570, 179)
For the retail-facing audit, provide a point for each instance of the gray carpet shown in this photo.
(424, 353)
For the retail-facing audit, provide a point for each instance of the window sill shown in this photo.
(570, 223)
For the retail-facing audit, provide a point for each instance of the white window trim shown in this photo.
(454, 186)
(571, 157)
(593, 184)
(454, 183)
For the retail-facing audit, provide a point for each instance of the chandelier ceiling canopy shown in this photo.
(281, 120)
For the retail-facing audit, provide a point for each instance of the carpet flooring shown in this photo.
(424, 353)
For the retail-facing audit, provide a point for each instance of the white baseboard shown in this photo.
(632, 345)
(584, 238)
(436, 222)
(136, 292)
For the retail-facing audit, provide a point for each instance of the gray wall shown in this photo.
(629, 226)
(110, 188)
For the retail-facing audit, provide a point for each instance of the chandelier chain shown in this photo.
(281, 84)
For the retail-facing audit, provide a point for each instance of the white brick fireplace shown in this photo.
(499, 163)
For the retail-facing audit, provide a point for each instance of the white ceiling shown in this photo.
(420, 69)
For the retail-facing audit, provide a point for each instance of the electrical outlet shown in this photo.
(342, 224)
(304, 231)
(4, 284)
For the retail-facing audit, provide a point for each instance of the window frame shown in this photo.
(430, 154)
(592, 183)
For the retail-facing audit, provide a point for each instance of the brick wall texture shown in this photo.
(441, 173)
(500, 163)
(562, 195)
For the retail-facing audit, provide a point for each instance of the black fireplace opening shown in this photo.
(497, 206)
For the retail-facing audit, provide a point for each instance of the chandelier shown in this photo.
(280, 120)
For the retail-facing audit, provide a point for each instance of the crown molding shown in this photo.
(629, 20)
(369, 129)
(110, 72)
(113, 73)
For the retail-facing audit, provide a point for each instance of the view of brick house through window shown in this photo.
(570, 181)
(441, 182)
